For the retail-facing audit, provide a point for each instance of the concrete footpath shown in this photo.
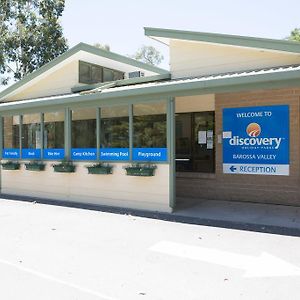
(52, 252)
(268, 218)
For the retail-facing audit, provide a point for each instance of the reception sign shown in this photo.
(256, 140)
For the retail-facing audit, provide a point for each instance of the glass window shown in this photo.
(84, 128)
(11, 128)
(96, 74)
(183, 136)
(84, 73)
(204, 151)
(195, 148)
(111, 75)
(54, 133)
(31, 131)
(89, 73)
(31, 136)
(114, 127)
(149, 125)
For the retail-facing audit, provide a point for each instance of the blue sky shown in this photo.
(120, 23)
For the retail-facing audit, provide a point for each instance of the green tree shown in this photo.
(102, 46)
(30, 36)
(149, 55)
(294, 35)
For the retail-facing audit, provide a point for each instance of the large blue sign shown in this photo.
(84, 153)
(11, 153)
(149, 154)
(114, 154)
(31, 153)
(54, 153)
(256, 140)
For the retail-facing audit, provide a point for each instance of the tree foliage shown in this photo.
(294, 35)
(149, 55)
(30, 35)
(102, 46)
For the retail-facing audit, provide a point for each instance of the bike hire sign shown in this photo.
(256, 140)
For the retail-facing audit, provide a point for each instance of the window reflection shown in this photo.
(11, 128)
(149, 125)
(54, 130)
(114, 127)
(31, 131)
(84, 128)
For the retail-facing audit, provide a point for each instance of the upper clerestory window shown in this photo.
(90, 73)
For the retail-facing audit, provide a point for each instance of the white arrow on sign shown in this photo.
(265, 265)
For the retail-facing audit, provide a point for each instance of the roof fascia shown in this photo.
(40, 71)
(122, 59)
(74, 50)
(224, 39)
(274, 80)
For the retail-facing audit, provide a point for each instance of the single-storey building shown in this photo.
(222, 123)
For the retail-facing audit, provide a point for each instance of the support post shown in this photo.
(98, 131)
(42, 134)
(20, 135)
(68, 120)
(130, 131)
(1, 135)
(171, 150)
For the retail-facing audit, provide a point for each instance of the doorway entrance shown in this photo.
(195, 149)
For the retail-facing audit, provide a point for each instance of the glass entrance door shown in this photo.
(195, 142)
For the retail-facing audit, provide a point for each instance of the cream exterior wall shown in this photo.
(117, 189)
(195, 59)
(57, 83)
(195, 103)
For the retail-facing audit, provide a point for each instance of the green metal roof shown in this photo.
(74, 50)
(224, 39)
(272, 78)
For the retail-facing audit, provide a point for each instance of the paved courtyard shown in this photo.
(50, 252)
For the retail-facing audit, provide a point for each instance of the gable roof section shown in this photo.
(122, 82)
(80, 47)
(164, 35)
(276, 77)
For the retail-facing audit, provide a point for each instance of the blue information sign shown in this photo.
(54, 154)
(114, 154)
(256, 140)
(84, 153)
(31, 153)
(11, 153)
(150, 154)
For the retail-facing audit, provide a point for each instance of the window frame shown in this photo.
(102, 70)
(192, 144)
(67, 128)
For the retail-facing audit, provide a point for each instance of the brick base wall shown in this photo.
(256, 188)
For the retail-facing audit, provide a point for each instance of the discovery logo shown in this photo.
(254, 130)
